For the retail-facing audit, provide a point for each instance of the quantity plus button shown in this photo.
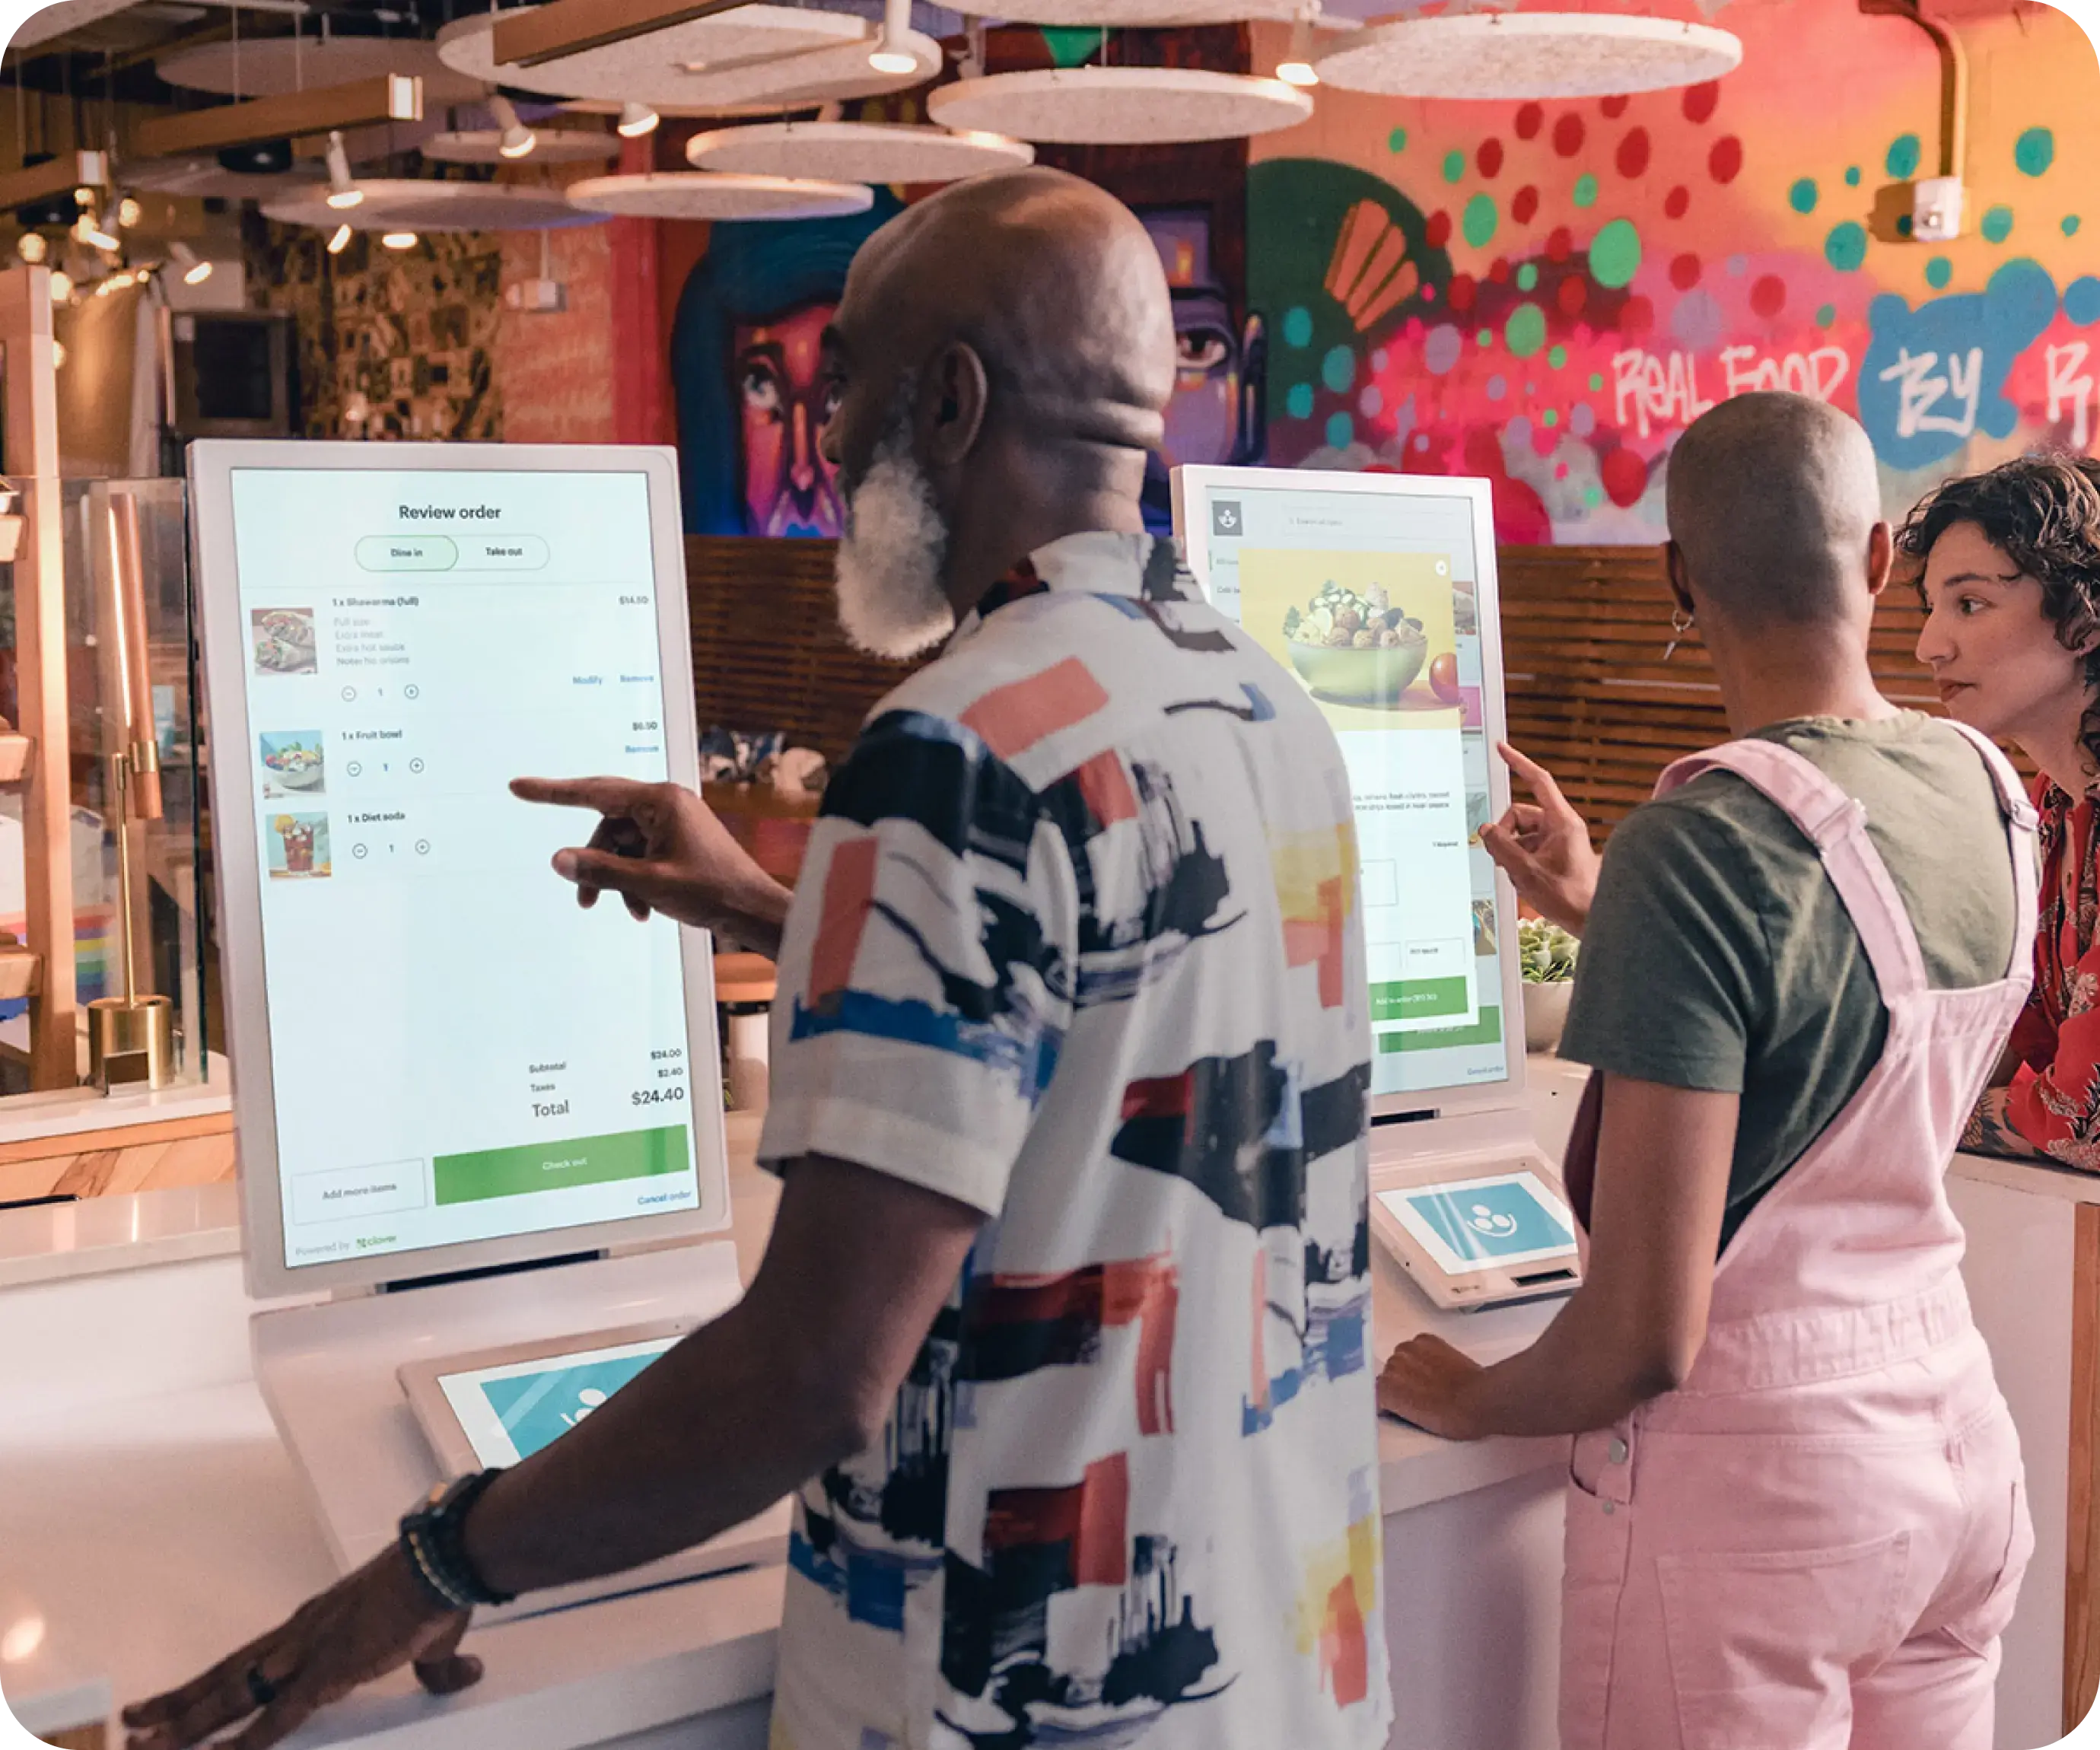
(407, 553)
(502, 553)
(557, 1165)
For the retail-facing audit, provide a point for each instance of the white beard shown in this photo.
(891, 602)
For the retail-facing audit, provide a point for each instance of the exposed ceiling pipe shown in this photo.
(1954, 78)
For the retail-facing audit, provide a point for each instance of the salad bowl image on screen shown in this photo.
(441, 1062)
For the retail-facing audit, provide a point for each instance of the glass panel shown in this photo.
(130, 696)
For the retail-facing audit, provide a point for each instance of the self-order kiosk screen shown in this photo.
(459, 1052)
(1368, 598)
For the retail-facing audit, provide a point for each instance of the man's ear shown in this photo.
(953, 404)
(1673, 560)
(1881, 558)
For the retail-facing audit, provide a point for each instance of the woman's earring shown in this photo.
(1680, 628)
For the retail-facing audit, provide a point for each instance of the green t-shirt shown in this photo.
(1719, 956)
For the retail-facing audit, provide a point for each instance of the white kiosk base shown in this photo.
(328, 1373)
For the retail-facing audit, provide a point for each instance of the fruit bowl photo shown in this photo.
(1355, 649)
(1379, 676)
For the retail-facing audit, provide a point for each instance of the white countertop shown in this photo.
(150, 1520)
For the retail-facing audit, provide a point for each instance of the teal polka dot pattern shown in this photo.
(1903, 154)
(1802, 198)
(1338, 370)
(1525, 331)
(2034, 151)
(1298, 401)
(1454, 165)
(1341, 431)
(1852, 176)
(1298, 326)
(1526, 276)
(1845, 247)
(1615, 255)
(1396, 140)
(1479, 221)
(1997, 224)
(1938, 271)
(1827, 314)
(1585, 191)
(2070, 224)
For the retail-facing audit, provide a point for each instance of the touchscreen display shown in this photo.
(460, 1052)
(1368, 598)
(1474, 1224)
(509, 1413)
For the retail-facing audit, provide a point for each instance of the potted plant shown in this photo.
(1547, 953)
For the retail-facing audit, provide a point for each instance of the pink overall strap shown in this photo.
(2020, 824)
(1836, 824)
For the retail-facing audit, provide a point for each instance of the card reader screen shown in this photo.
(1474, 1224)
(509, 1413)
(459, 1052)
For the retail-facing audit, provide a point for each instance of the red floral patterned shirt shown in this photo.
(2054, 1101)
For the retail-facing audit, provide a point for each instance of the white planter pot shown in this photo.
(1545, 1014)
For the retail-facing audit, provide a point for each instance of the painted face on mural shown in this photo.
(784, 402)
(1203, 418)
(1994, 653)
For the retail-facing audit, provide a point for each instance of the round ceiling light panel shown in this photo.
(718, 194)
(1528, 54)
(206, 178)
(1129, 14)
(277, 66)
(549, 146)
(856, 152)
(407, 204)
(771, 57)
(1119, 106)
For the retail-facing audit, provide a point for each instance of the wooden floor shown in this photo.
(195, 1151)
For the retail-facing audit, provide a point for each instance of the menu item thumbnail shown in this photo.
(293, 763)
(1363, 631)
(298, 846)
(283, 639)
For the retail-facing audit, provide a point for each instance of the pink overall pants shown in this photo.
(1817, 1542)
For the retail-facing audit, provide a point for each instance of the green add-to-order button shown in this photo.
(557, 1165)
(1418, 999)
(406, 553)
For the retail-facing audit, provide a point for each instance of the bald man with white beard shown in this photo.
(1071, 1124)
(1795, 1516)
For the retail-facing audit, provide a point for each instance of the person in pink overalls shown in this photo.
(1796, 1517)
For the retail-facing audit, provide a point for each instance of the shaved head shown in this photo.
(1055, 286)
(1773, 502)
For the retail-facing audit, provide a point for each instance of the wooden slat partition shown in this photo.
(1591, 696)
(767, 650)
(1584, 630)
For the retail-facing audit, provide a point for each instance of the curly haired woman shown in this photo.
(2011, 584)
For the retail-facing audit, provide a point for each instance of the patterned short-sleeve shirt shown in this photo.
(1078, 943)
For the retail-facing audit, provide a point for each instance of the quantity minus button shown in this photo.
(407, 553)
(502, 553)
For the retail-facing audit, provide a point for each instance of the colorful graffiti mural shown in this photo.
(1547, 294)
